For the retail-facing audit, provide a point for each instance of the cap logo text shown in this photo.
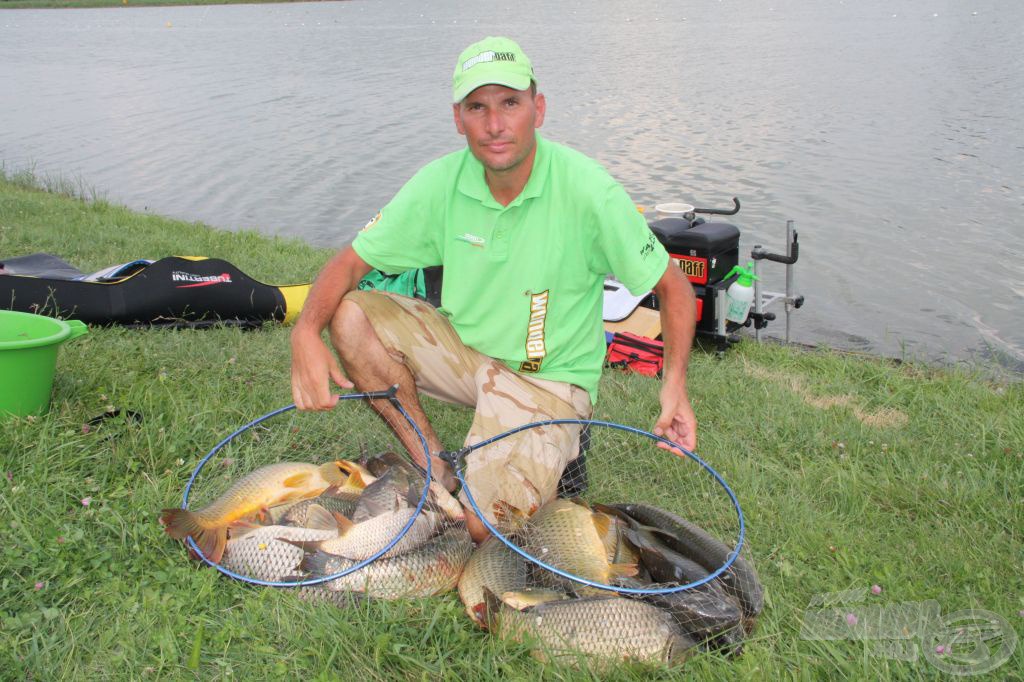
(489, 56)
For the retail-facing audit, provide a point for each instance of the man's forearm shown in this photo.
(339, 276)
(678, 306)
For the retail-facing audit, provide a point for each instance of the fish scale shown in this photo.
(363, 540)
(600, 631)
(430, 569)
(563, 534)
(493, 566)
(298, 514)
(437, 495)
(261, 554)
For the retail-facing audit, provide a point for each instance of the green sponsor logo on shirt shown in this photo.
(471, 239)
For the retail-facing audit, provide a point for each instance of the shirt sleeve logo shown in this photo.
(648, 248)
(376, 219)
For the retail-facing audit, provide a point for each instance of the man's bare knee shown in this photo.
(356, 341)
(350, 328)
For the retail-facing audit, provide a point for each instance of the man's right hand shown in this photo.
(313, 364)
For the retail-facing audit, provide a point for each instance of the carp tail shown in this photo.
(181, 523)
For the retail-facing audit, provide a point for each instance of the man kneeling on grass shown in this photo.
(526, 230)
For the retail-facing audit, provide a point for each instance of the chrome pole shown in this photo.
(789, 275)
(757, 293)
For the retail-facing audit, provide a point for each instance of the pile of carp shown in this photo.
(292, 522)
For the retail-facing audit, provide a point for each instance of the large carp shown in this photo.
(570, 536)
(597, 631)
(689, 539)
(257, 491)
(493, 566)
(430, 569)
(264, 555)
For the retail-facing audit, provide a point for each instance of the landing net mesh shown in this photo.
(378, 524)
(630, 519)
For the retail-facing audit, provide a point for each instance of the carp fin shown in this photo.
(332, 473)
(318, 518)
(241, 528)
(181, 523)
(296, 480)
(307, 546)
(315, 564)
(488, 610)
(356, 480)
(529, 597)
(503, 511)
(337, 492)
(343, 522)
(412, 497)
(679, 648)
(623, 570)
(602, 523)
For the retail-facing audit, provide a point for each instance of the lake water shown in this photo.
(891, 131)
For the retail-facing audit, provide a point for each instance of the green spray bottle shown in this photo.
(740, 293)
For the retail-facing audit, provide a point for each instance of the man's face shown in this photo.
(498, 123)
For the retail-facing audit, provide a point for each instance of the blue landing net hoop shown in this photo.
(455, 458)
(389, 395)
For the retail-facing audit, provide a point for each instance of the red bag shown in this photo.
(637, 353)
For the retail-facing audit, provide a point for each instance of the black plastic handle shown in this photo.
(794, 253)
(721, 211)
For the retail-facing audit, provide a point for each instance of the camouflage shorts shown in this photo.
(519, 472)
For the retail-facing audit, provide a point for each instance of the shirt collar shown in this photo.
(472, 183)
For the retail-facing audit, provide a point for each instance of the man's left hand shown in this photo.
(677, 422)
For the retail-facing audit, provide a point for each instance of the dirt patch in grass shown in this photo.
(886, 417)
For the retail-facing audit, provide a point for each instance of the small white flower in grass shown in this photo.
(876, 589)
(851, 619)
(86, 501)
(40, 585)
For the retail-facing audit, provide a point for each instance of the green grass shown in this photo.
(851, 472)
(71, 4)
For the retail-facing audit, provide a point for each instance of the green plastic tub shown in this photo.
(28, 359)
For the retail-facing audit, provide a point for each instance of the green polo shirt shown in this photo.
(523, 283)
